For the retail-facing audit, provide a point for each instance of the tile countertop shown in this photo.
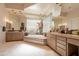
(66, 35)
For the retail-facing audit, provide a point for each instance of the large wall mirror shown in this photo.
(70, 23)
(8, 26)
(15, 19)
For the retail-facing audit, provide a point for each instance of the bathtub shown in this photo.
(40, 39)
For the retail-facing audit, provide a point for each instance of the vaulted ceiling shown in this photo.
(63, 9)
(44, 8)
(70, 9)
(19, 6)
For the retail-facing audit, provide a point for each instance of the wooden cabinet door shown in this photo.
(48, 38)
(51, 41)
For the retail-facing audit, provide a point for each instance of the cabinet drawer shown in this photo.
(61, 51)
(73, 41)
(61, 38)
(52, 43)
(61, 46)
(61, 42)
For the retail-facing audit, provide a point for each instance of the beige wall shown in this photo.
(57, 21)
(2, 22)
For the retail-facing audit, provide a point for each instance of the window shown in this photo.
(32, 25)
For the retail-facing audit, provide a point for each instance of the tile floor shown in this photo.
(20, 48)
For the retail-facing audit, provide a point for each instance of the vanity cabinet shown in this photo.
(58, 43)
(64, 44)
(14, 36)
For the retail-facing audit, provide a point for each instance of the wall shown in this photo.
(2, 22)
(57, 21)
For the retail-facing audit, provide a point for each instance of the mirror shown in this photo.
(14, 21)
(72, 23)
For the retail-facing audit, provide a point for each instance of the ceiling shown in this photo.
(19, 6)
(44, 8)
(63, 9)
(70, 9)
